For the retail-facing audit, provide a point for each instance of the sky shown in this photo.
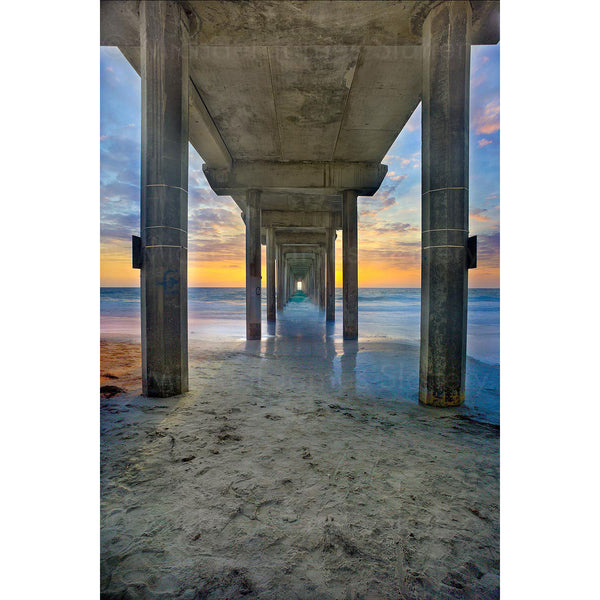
(389, 229)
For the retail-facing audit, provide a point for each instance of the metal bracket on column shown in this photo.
(136, 254)
(472, 252)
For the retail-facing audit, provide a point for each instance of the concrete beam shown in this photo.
(300, 237)
(120, 23)
(300, 177)
(300, 249)
(304, 202)
(291, 219)
(256, 23)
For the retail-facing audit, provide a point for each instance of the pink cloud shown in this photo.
(484, 142)
(477, 215)
(488, 121)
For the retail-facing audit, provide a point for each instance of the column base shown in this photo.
(166, 392)
(447, 400)
(253, 331)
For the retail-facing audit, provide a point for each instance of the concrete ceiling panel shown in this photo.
(235, 85)
(311, 86)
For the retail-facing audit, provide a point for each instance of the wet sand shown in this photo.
(295, 469)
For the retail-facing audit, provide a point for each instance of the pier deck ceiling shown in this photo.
(297, 98)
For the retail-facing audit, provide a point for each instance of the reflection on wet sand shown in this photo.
(370, 368)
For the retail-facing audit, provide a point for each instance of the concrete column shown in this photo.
(279, 295)
(317, 280)
(445, 203)
(271, 313)
(285, 278)
(330, 302)
(322, 278)
(253, 258)
(350, 263)
(164, 203)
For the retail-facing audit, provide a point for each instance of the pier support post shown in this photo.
(279, 295)
(164, 202)
(322, 279)
(317, 256)
(350, 263)
(285, 280)
(445, 203)
(330, 308)
(253, 259)
(271, 313)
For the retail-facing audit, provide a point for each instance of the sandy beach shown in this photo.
(280, 475)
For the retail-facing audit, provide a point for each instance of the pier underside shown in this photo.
(293, 106)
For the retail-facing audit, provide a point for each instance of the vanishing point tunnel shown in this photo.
(292, 106)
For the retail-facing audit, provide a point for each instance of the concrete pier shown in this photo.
(253, 264)
(306, 117)
(321, 275)
(330, 252)
(164, 198)
(445, 203)
(271, 312)
(279, 275)
(350, 263)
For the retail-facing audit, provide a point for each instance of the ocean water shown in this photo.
(384, 313)
(383, 364)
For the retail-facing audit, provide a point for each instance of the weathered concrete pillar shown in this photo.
(330, 303)
(350, 263)
(164, 203)
(285, 279)
(279, 295)
(318, 279)
(322, 279)
(271, 312)
(445, 203)
(253, 258)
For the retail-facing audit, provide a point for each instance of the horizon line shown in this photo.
(360, 287)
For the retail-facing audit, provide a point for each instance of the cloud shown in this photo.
(478, 215)
(373, 205)
(402, 161)
(484, 142)
(488, 249)
(216, 230)
(395, 228)
(121, 192)
(486, 120)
